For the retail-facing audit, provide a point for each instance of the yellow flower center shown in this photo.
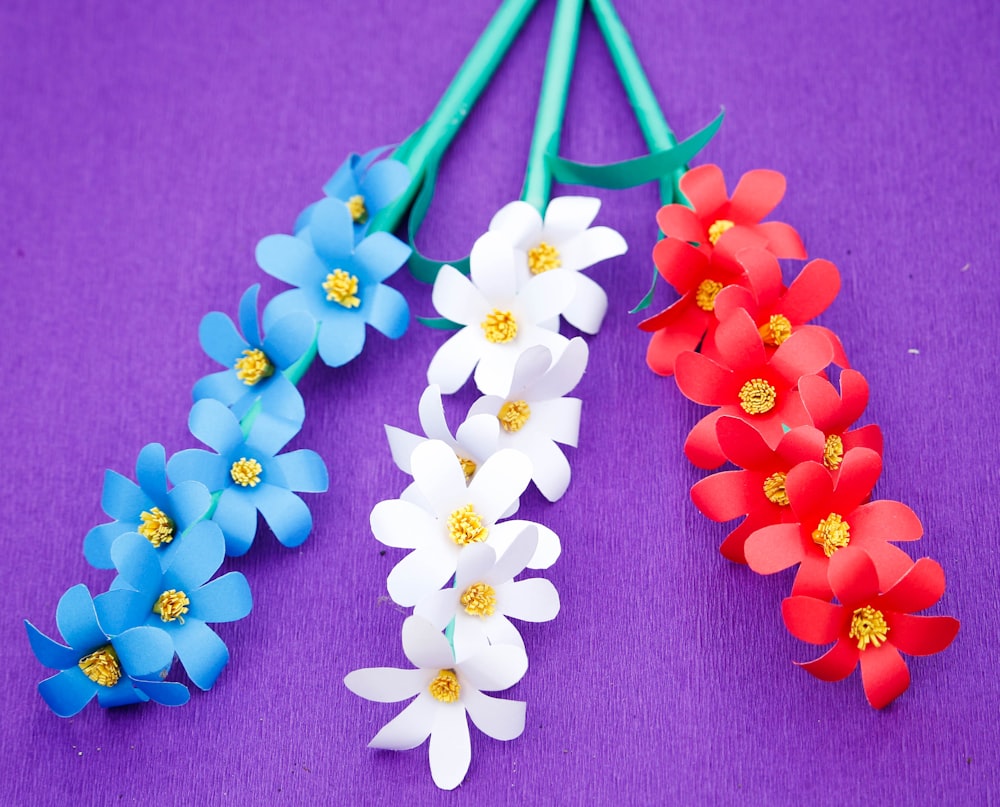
(342, 288)
(445, 687)
(774, 489)
(718, 228)
(832, 533)
(776, 330)
(868, 627)
(246, 472)
(513, 415)
(479, 599)
(156, 527)
(543, 258)
(102, 666)
(253, 366)
(172, 605)
(499, 326)
(468, 468)
(708, 290)
(757, 397)
(466, 527)
(356, 207)
(833, 452)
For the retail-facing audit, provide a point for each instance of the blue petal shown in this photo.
(121, 609)
(48, 651)
(343, 184)
(383, 182)
(217, 427)
(224, 599)
(296, 301)
(248, 315)
(220, 339)
(97, 543)
(151, 471)
(198, 558)
(122, 498)
(166, 693)
(201, 651)
(389, 312)
(121, 694)
(188, 502)
(379, 256)
(303, 220)
(144, 652)
(289, 338)
(67, 692)
(280, 399)
(77, 621)
(304, 471)
(268, 435)
(223, 386)
(236, 514)
(285, 513)
(332, 232)
(138, 563)
(201, 466)
(341, 340)
(290, 259)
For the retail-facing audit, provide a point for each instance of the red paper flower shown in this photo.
(758, 490)
(831, 517)
(871, 626)
(745, 383)
(778, 311)
(833, 414)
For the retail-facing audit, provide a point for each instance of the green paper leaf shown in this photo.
(440, 323)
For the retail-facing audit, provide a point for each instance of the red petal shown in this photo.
(757, 194)
(921, 635)
(705, 189)
(732, 547)
(733, 298)
(812, 620)
(811, 293)
(735, 240)
(743, 445)
(839, 354)
(704, 381)
(885, 520)
(782, 240)
(680, 264)
(857, 475)
(821, 401)
(739, 343)
(678, 221)
(804, 352)
(701, 446)
(681, 336)
(890, 561)
(763, 274)
(853, 577)
(884, 674)
(811, 579)
(810, 488)
(836, 664)
(774, 548)
(869, 436)
(919, 588)
(801, 444)
(854, 394)
(727, 495)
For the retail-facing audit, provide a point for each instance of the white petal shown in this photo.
(589, 305)
(474, 563)
(439, 476)
(497, 667)
(457, 298)
(503, 534)
(438, 607)
(386, 684)
(450, 750)
(496, 365)
(452, 364)
(401, 444)
(479, 435)
(501, 631)
(512, 562)
(593, 246)
(411, 493)
(418, 574)
(520, 222)
(568, 215)
(432, 418)
(547, 295)
(564, 374)
(409, 728)
(486, 405)
(533, 600)
(402, 524)
(550, 468)
(498, 482)
(425, 646)
(494, 717)
(470, 634)
(531, 366)
(557, 419)
(492, 262)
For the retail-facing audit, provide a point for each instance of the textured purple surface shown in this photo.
(146, 147)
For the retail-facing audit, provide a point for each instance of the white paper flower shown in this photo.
(485, 595)
(445, 692)
(458, 516)
(563, 242)
(500, 320)
(534, 415)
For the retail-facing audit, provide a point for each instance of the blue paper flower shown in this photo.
(255, 365)
(119, 668)
(365, 189)
(338, 283)
(250, 476)
(180, 599)
(148, 508)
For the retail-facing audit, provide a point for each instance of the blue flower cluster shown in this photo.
(166, 544)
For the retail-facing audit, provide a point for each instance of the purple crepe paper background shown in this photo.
(148, 146)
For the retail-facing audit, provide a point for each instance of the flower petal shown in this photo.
(680, 264)
(137, 561)
(726, 495)
(919, 588)
(48, 651)
(922, 635)
(341, 338)
(387, 685)
(304, 471)
(66, 693)
(220, 339)
(197, 465)
(502, 535)
(757, 193)
(289, 259)
(409, 728)
(225, 599)
(399, 523)
(289, 339)
(424, 646)
(812, 620)
(498, 482)
(676, 338)
(774, 548)
(884, 675)
(492, 262)
(120, 609)
(533, 600)
(498, 667)
(198, 557)
(680, 222)
(381, 254)
(201, 651)
(495, 717)
(588, 305)
(121, 498)
(383, 182)
(592, 246)
(144, 652)
(455, 359)
(440, 477)
(389, 313)
(702, 380)
(215, 426)
(547, 295)
(285, 513)
(853, 577)
(332, 232)
(151, 470)
(887, 520)
(565, 215)
(705, 188)
(77, 621)
(422, 571)
(836, 663)
(550, 470)
(165, 693)
(450, 750)
(812, 292)
(236, 514)
(701, 446)
(520, 222)
(782, 239)
(804, 352)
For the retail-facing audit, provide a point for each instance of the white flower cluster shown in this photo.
(455, 518)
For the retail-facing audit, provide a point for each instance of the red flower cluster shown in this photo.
(740, 341)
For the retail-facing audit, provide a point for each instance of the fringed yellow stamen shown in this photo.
(543, 258)
(774, 489)
(479, 599)
(833, 452)
(499, 326)
(776, 330)
(342, 288)
(156, 527)
(102, 666)
(356, 207)
(445, 687)
(468, 468)
(868, 627)
(718, 228)
(832, 533)
(253, 366)
(757, 397)
(513, 415)
(706, 294)
(466, 527)
(172, 605)
(246, 472)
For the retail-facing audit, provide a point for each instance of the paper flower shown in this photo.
(459, 515)
(563, 241)
(119, 669)
(758, 489)
(148, 508)
(251, 475)
(870, 626)
(179, 599)
(485, 594)
(833, 414)
(445, 692)
(501, 321)
(339, 284)
(830, 517)
(363, 187)
(255, 365)
(534, 415)
(745, 383)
